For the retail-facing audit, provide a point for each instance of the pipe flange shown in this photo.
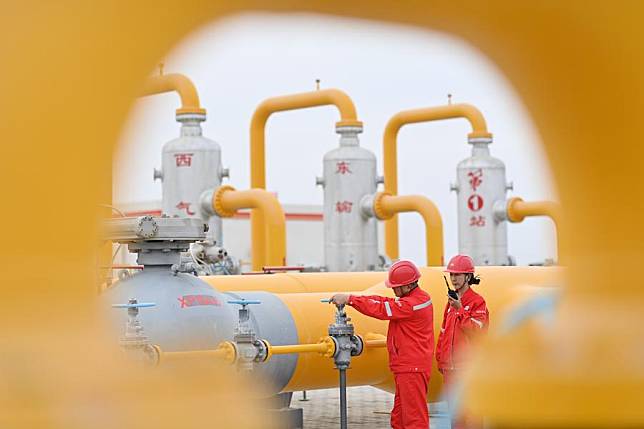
(229, 351)
(146, 227)
(331, 346)
(513, 216)
(355, 124)
(218, 205)
(378, 208)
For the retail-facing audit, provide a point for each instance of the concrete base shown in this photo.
(289, 418)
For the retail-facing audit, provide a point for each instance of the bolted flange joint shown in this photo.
(217, 204)
(378, 207)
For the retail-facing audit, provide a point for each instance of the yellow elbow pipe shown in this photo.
(386, 206)
(271, 237)
(390, 156)
(180, 84)
(517, 210)
(325, 97)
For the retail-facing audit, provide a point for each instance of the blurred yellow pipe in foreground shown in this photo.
(517, 210)
(325, 97)
(178, 83)
(226, 201)
(386, 206)
(390, 150)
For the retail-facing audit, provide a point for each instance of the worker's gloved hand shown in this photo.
(339, 299)
(456, 303)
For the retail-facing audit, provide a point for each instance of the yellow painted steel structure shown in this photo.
(390, 150)
(386, 206)
(92, 59)
(519, 210)
(227, 200)
(325, 97)
(175, 82)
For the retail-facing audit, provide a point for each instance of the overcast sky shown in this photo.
(237, 63)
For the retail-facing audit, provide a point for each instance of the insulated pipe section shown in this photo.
(516, 210)
(390, 156)
(385, 207)
(225, 201)
(326, 97)
(180, 84)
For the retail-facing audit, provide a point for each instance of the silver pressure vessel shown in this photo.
(480, 183)
(350, 238)
(191, 164)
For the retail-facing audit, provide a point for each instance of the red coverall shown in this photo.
(410, 340)
(460, 327)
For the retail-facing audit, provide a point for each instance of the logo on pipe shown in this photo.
(475, 203)
(195, 300)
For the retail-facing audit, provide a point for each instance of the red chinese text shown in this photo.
(343, 206)
(194, 300)
(182, 205)
(477, 221)
(476, 178)
(183, 159)
(342, 167)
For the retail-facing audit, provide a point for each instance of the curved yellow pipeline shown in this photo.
(386, 206)
(517, 210)
(390, 156)
(325, 97)
(180, 84)
(272, 238)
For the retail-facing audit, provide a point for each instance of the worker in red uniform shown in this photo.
(465, 318)
(410, 340)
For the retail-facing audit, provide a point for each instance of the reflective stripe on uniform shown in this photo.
(478, 322)
(423, 305)
(388, 309)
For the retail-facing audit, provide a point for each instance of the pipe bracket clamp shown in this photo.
(218, 205)
(378, 209)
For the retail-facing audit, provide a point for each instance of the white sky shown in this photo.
(239, 62)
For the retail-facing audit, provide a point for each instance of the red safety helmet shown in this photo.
(402, 273)
(460, 264)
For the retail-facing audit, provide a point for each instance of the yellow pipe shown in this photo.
(224, 352)
(326, 347)
(373, 340)
(390, 156)
(180, 84)
(517, 210)
(296, 282)
(386, 206)
(272, 236)
(325, 97)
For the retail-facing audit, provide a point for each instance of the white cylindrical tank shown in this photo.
(480, 183)
(191, 164)
(350, 238)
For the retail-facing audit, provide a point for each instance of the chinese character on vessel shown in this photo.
(343, 206)
(476, 178)
(477, 221)
(343, 167)
(183, 159)
(182, 205)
